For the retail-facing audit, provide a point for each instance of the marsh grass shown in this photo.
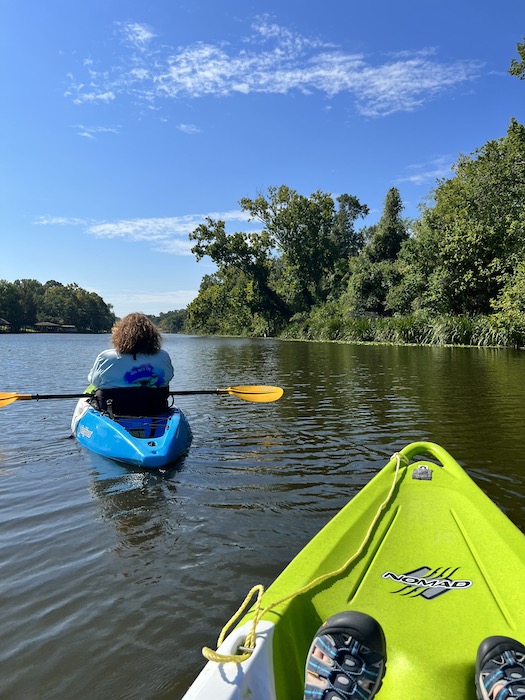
(329, 322)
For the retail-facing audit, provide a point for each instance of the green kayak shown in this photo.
(420, 548)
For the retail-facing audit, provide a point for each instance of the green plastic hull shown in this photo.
(442, 569)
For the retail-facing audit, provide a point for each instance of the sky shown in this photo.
(125, 123)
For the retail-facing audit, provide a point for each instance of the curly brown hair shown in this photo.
(135, 333)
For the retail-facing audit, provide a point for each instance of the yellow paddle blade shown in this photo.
(258, 394)
(7, 397)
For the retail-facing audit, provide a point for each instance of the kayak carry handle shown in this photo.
(428, 449)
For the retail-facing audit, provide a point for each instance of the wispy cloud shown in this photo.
(272, 59)
(167, 234)
(424, 173)
(59, 221)
(189, 128)
(91, 132)
(135, 34)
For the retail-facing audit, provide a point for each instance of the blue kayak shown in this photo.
(152, 442)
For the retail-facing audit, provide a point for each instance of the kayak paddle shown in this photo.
(254, 393)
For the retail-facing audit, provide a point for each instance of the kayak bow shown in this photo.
(423, 550)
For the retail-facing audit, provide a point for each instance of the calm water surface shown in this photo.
(113, 579)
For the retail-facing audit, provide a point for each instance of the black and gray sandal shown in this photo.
(500, 669)
(347, 659)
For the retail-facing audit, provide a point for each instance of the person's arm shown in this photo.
(99, 366)
(93, 373)
(169, 369)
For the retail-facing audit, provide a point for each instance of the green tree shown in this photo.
(310, 233)
(95, 315)
(26, 301)
(472, 235)
(246, 253)
(72, 305)
(510, 305)
(30, 292)
(299, 259)
(407, 292)
(59, 305)
(173, 321)
(517, 68)
(347, 242)
(224, 306)
(10, 305)
(388, 236)
(375, 272)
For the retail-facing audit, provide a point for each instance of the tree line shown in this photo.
(311, 272)
(25, 302)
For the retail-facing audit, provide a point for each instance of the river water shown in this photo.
(113, 579)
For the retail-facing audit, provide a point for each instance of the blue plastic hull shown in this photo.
(150, 442)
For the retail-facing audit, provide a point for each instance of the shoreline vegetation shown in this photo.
(416, 330)
(453, 276)
(449, 331)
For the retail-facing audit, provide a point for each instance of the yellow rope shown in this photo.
(249, 643)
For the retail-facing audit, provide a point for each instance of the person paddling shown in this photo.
(133, 377)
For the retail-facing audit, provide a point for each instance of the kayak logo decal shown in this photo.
(427, 583)
(86, 432)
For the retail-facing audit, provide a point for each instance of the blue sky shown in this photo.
(124, 122)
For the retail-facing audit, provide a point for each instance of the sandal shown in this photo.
(500, 669)
(347, 659)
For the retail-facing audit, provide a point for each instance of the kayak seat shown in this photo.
(133, 401)
(145, 427)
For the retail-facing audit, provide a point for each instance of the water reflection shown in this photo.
(142, 506)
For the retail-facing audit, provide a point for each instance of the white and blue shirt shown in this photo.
(112, 370)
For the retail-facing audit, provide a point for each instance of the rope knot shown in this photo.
(248, 645)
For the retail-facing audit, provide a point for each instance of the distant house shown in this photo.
(4, 325)
(49, 327)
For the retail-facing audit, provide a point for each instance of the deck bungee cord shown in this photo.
(248, 646)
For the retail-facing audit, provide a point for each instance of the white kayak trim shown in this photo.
(82, 407)
(253, 679)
